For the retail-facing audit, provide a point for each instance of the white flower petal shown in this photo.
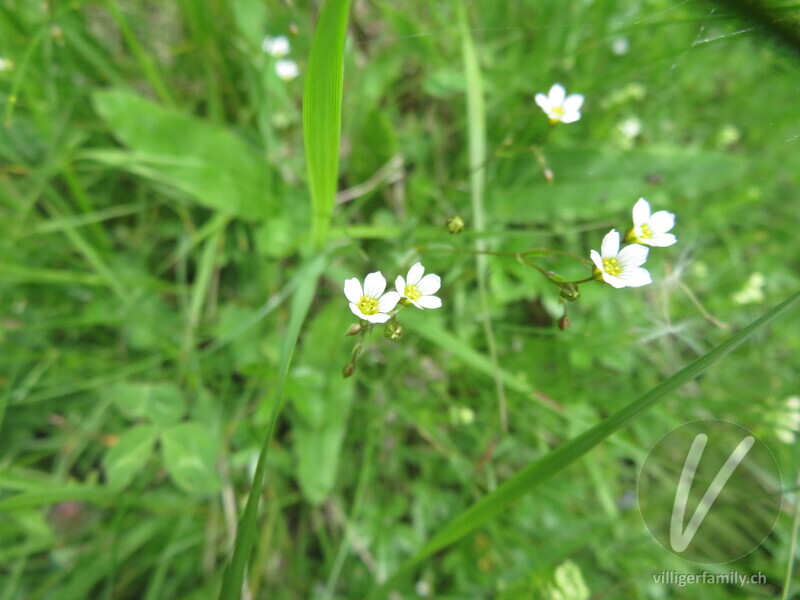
(286, 69)
(357, 312)
(429, 302)
(415, 274)
(429, 284)
(400, 285)
(374, 284)
(614, 281)
(377, 318)
(352, 289)
(543, 102)
(662, 240)
(632, 256)
(573, 103)
(635, 277)
(662, 221)
(388, 301)
(641, 212)
(557, 94)
(570, 117)
(596, 259)
(610, 245)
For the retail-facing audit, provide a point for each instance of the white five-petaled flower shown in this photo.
(621, 268)
(370, 303)
(286, 69)
(418, 289)
(559, 107)
(651, 229)
(276, 47)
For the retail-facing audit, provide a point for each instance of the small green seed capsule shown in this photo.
(393, 330)
(455, 224)
(570, 292)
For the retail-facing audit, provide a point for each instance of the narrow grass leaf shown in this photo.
(322, 113)
(246, 532)
(499, 501)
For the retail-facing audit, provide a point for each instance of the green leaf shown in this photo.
(322, 113)
(307, 279)
(161, 403)
(129, 455)
(190, 455)
(203, 160)
(511, 490)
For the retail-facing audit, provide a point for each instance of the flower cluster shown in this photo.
(623, 267)
(279, 47)
(371, 302)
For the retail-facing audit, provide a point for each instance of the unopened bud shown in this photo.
(548, 175)
(393, 330)
(455, 224)
(349, 369)
(354, 329)
(563, 323)
(570, 292)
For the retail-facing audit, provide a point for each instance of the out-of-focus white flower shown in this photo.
(753, 290)
(369, 302)
(286, 69)
(789, 420)
(418, 289)
(277, 47)
(620, 45)
(559, 107)
(620, 268)
(6, 65)
(651, 229)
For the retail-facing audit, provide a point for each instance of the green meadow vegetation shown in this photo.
(181, 413)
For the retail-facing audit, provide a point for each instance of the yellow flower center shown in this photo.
(645, 232)
(612, 266)
(412, 292)
(367, 305)
(558, 111)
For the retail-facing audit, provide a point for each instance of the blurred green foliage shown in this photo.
(154, 213)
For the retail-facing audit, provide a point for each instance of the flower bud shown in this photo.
(563, 323)
(570, 292)
(354, 329)
(393, 330)
(455, 224)
(349, 369)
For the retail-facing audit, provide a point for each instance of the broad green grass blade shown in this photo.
(246, 532)
(549, 465)
(322, 113)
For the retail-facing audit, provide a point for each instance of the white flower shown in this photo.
(286, 69)
(621, 268)
(276, 47)
(418, 289)
(648, 229)
(559, 107)
(370, 303)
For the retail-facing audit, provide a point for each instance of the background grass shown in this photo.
(155, 218)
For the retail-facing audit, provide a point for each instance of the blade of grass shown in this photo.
(246, 532)
(322, 113)
(538, 471)
(476, 121)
